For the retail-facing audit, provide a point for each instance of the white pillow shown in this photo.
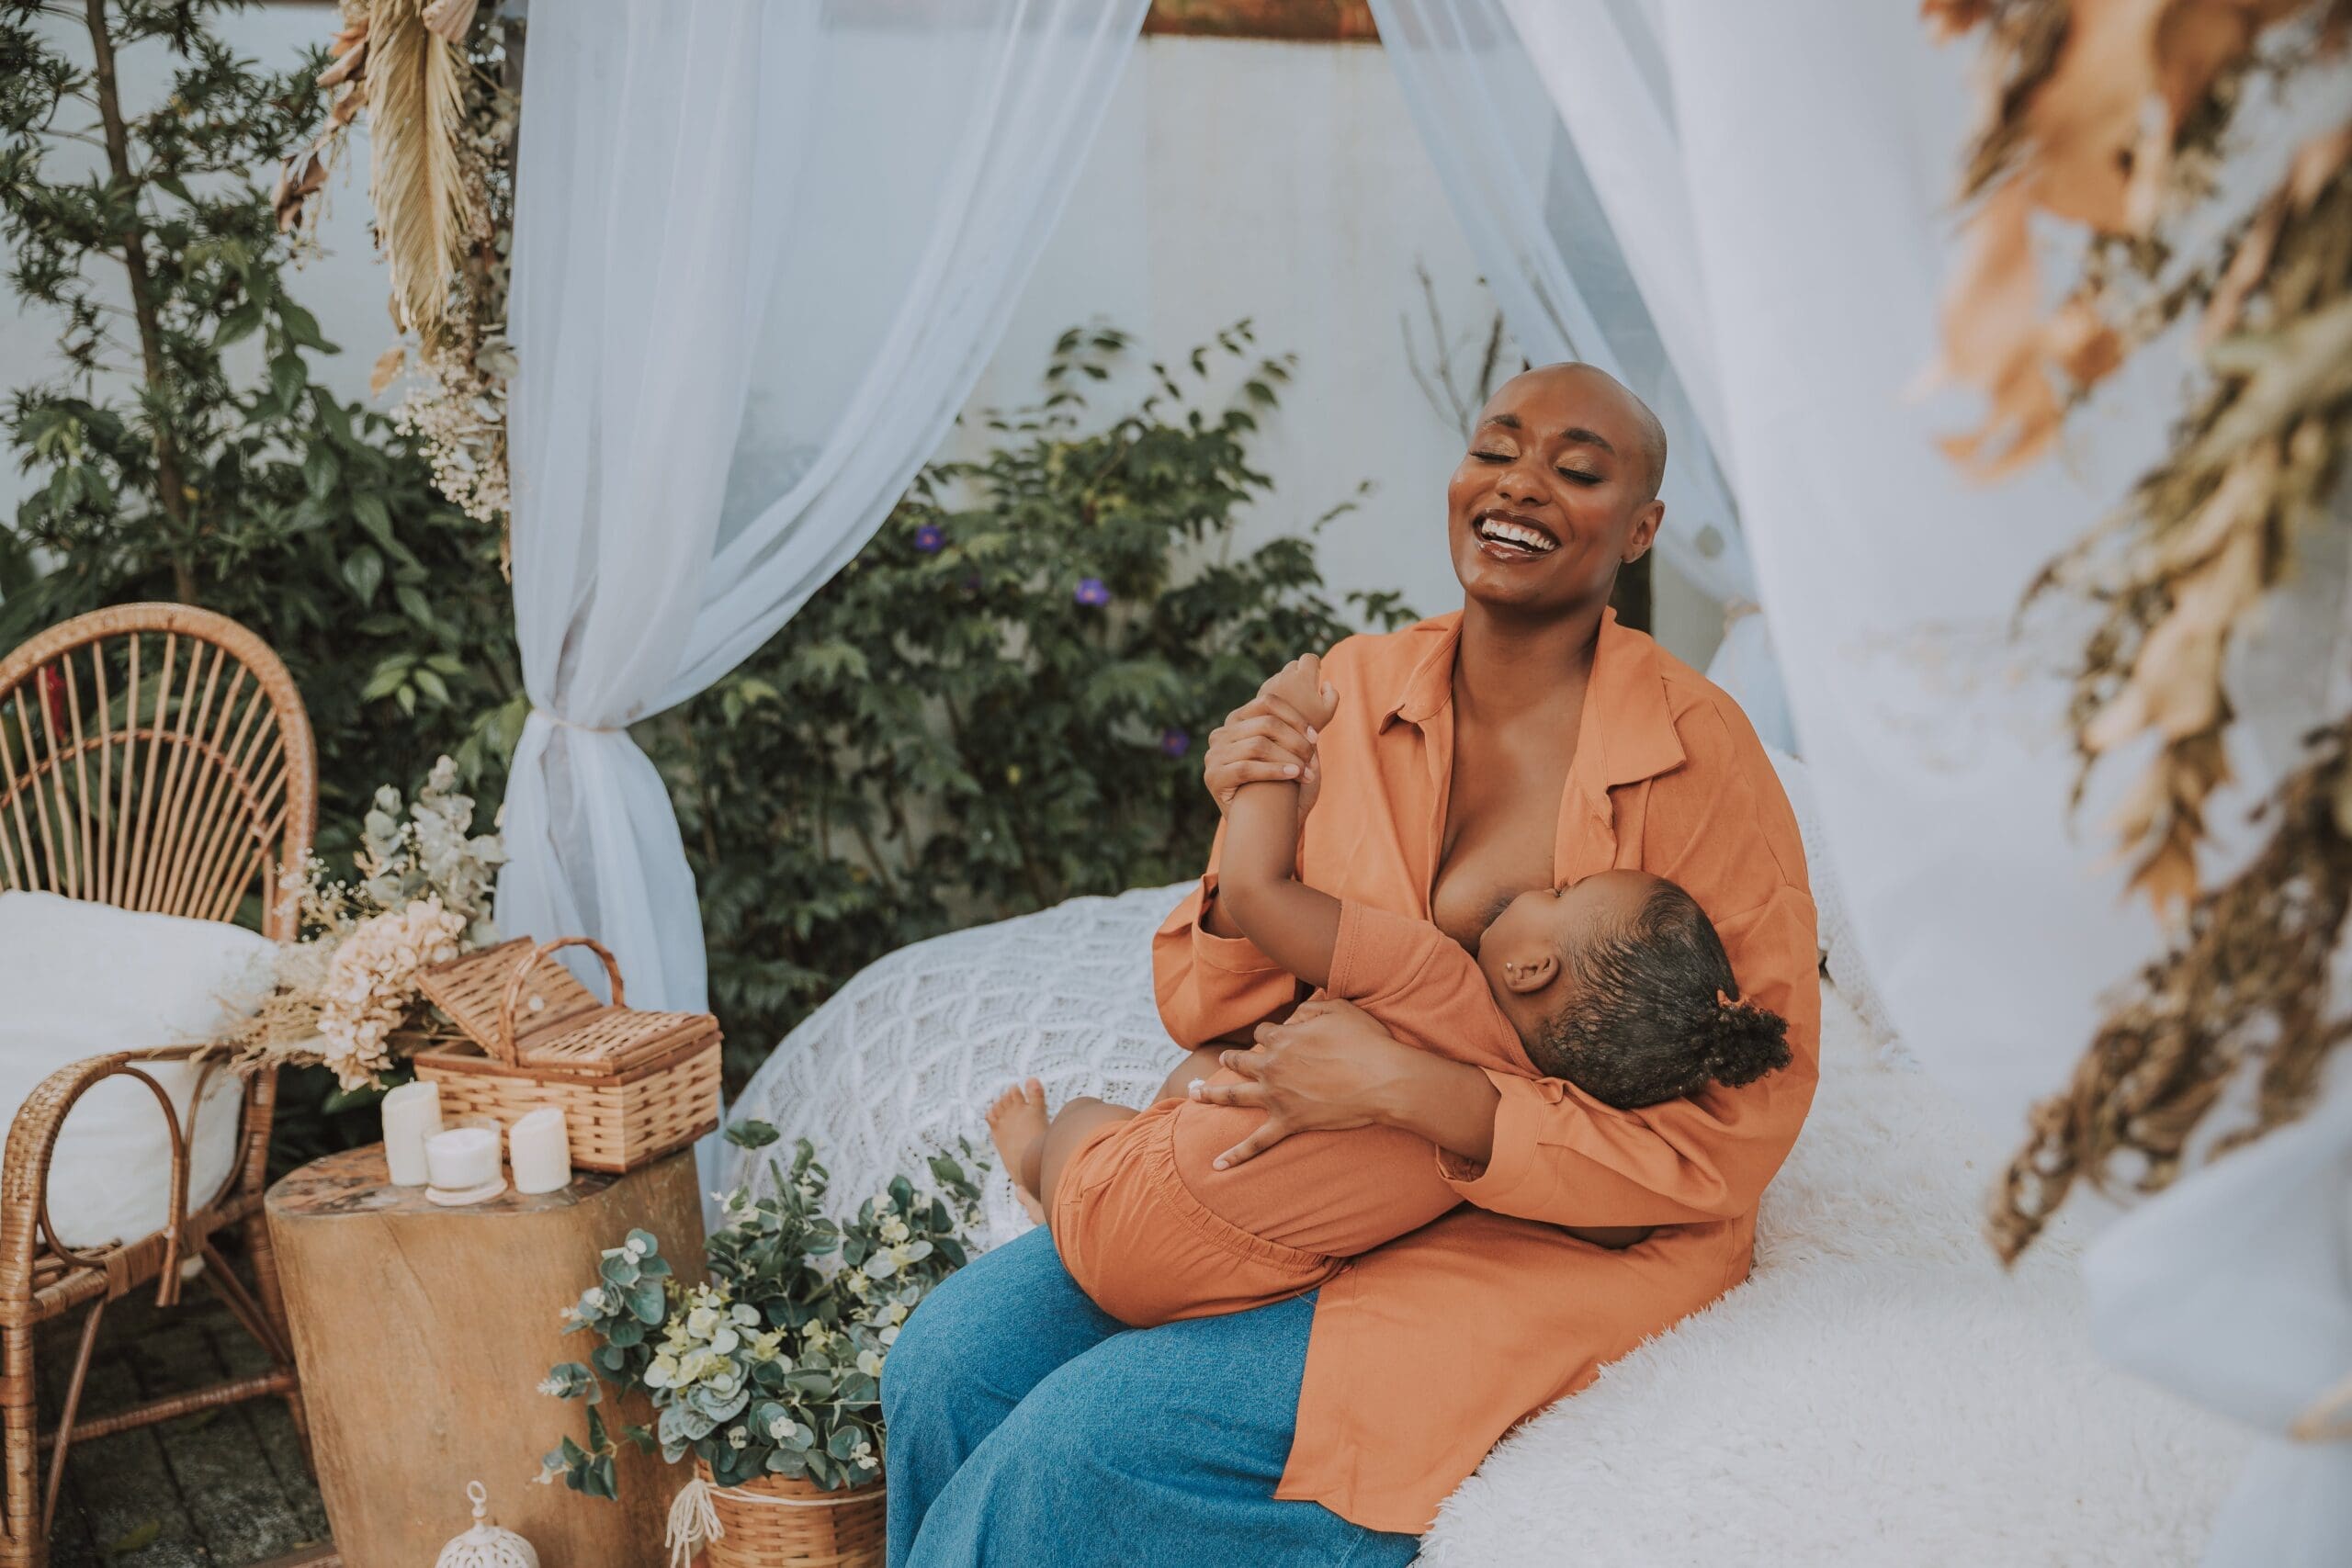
(79, 979)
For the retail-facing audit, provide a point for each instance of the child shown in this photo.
(1617, 983)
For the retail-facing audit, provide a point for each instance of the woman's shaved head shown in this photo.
(1651, 435)
(1557, 490)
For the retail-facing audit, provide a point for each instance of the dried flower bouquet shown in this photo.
(341, 994)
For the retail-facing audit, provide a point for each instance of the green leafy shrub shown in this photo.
(183, 451)
(1003, 701)
(999, 704)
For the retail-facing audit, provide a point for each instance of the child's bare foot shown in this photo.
(1017, 1127)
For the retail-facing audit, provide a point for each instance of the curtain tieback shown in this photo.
(557, 719)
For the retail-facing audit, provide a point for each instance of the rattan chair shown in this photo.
(152, 757)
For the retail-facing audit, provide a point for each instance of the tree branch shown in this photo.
(173, 487)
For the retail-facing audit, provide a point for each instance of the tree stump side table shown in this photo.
(422, 1333)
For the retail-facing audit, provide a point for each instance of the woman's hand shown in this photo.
(1331, 1067)
(1269, 739)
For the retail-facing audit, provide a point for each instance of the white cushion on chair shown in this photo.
(79, 979)
(1879, 1393)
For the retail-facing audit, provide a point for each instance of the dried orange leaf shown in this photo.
(388, 365)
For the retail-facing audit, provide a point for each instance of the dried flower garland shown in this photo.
(2115, 115)
(2247, 983)
(441, 82)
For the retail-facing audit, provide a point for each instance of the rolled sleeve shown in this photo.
(1229, 955)
(1209, 986)
(1520, 1118)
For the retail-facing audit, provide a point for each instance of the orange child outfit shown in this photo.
(1153, 1232)
(1426, 1350)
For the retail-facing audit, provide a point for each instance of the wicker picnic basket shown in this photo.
(633, 1086)
(777, 1522)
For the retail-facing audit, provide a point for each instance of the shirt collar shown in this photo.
(1636, 738)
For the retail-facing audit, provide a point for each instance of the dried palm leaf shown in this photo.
(416, 114)
(450, 20)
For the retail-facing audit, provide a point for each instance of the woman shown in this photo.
(1524, 742)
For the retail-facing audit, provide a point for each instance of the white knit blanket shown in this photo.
(1879, 1394)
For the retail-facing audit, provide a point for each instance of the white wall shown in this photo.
(1285, 182)
(1280, 181)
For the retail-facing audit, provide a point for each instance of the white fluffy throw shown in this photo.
(1879, 1394)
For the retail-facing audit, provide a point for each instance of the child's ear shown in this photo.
(1524, 980)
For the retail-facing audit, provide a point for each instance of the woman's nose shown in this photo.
(1518, 488)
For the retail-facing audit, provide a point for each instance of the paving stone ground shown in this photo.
(220, 1489)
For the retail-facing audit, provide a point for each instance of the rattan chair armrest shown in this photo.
(32, 1144)
(257, 1115)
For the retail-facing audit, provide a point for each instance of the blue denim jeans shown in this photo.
(1028, 1428)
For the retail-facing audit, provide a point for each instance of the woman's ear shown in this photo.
(1643, 532)
(1525, 978)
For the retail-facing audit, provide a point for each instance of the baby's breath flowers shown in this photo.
(371, 984)
(772, 1366)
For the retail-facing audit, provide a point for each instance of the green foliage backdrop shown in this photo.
(1001, 702)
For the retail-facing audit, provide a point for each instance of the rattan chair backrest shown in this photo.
(155, 757)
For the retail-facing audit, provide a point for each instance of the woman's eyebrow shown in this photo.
(1580, 436)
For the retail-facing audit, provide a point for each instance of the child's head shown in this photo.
(1618, 984)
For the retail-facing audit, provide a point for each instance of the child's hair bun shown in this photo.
(1748, 1041)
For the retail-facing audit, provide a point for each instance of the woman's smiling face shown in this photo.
(1557, 489)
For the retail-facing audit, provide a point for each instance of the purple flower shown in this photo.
(1092, 592)
(929, 538)
(1174, 742)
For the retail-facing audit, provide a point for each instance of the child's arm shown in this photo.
(1291, 923)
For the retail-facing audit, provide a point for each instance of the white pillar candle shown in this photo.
(539, 1147)
(412, 1114)
(462, 1158)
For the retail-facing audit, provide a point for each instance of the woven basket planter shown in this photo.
(777, 1522)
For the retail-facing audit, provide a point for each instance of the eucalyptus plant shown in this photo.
(774, 1365)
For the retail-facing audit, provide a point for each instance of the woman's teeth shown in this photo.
(1499, 532)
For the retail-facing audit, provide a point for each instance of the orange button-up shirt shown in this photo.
(1426, 1350)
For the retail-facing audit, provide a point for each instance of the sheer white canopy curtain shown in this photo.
(1564, 170)
(1803, 159)
(761, 252)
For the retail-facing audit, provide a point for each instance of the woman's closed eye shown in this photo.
(1492, 457)
(1578, 476)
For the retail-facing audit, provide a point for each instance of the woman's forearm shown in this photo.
(1451, 1104)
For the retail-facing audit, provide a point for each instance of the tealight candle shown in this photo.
(412, 1114)
(540, 1148)
(462, 1158)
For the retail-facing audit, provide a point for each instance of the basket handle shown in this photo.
(503, 1042)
